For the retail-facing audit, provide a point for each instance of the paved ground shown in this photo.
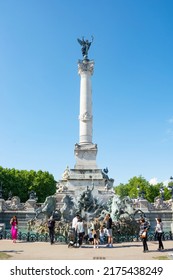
(121, 251)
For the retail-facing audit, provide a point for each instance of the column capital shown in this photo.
(85, 65)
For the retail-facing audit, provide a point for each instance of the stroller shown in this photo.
(74, 239)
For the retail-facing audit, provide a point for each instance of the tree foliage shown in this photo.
(21, 182)
(139, 186)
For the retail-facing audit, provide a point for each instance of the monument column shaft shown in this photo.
(85, 117)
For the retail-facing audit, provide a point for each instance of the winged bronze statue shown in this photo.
(85, 46)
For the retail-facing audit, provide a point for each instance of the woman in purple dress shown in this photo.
(14, 228)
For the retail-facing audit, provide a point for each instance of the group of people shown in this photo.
(96, 235)
(144, 232)
(93, 234)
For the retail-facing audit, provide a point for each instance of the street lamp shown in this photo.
(10, 195)
(1, 191)
(140, 194)
(162, 192)
(138, 188)
(170, 188)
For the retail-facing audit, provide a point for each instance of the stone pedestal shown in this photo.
(79, 179)
(172, 228)
(2, 204)
(143, 205)
(30, 205)
(85, 156)
(2, 230)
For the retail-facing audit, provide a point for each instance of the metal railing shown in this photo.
(61, 239)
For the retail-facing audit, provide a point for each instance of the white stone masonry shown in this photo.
(85, 70)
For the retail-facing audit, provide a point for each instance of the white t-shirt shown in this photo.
(103, 233)
(80, 227)
(159, 227)
(74, 222)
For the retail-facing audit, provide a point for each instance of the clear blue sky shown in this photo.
(132, 85)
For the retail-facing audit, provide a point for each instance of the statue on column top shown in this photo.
(85, 46)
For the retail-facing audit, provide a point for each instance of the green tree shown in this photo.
(21, 182)
(131, 188)
(137, 187)
(44, 184)
(153, 191)
(122, 190)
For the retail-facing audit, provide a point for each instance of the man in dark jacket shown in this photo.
(51, 227)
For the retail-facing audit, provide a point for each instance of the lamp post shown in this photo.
(1, 191)
(162, 193)
(10, 195)
(170, 188)
(140, 194)
(138, 188)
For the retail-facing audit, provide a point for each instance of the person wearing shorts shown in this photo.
(108, 221)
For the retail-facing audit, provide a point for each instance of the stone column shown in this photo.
(85, 70)
(85, 151)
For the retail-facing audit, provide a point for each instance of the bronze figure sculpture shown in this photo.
(85, 46)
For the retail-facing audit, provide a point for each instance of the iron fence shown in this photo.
(34, 237)
(61, 239)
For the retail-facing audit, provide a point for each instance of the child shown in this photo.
(102, 234)
(96, 240)
(90, 236)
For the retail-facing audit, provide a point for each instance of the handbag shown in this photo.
(15, 227)
(144, 234)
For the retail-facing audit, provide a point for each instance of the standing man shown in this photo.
(80, 231)
(108, 221)
(51, 227)
(74, 227)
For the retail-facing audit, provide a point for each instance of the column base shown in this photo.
(85, 156)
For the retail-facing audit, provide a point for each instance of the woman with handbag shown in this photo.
(143, 234)
(14, 228)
